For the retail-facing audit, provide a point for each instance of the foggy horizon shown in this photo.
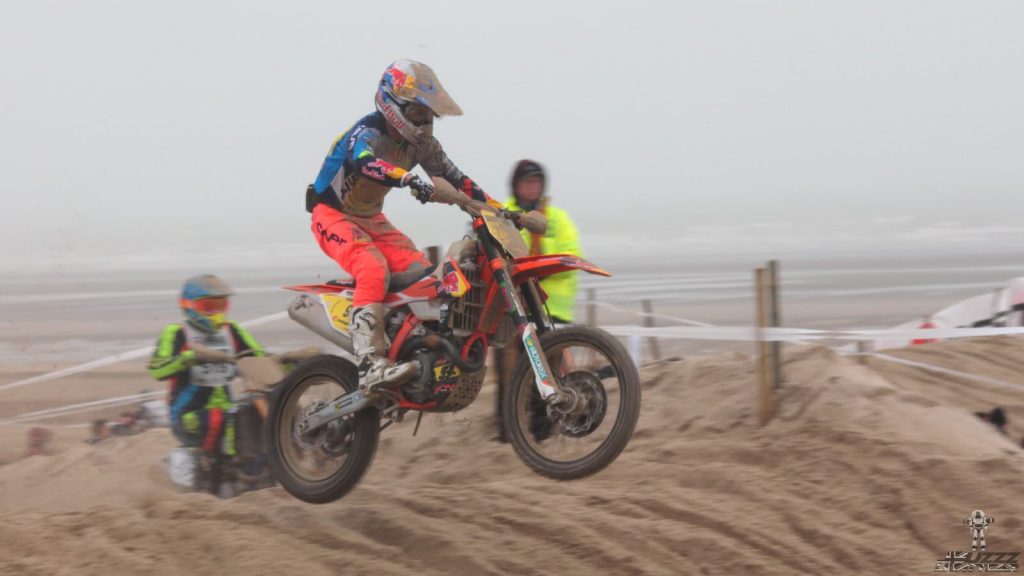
(692, 129)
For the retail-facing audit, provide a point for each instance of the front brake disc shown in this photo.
(590, 410)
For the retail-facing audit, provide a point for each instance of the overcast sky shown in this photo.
(136, 126)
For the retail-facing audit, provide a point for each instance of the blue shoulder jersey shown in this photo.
(364, 163)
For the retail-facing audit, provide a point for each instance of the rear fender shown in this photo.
(321, 288)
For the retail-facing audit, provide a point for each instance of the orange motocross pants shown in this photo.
(367, 248)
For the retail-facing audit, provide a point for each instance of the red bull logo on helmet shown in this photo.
(401, 82)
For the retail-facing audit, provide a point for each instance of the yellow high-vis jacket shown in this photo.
(561, 237)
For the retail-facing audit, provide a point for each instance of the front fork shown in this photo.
(544, 378)
(562, 402)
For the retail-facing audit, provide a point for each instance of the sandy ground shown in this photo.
(866, 468)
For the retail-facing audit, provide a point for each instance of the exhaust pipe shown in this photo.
(308, 311)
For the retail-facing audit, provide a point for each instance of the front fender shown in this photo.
(547, 264)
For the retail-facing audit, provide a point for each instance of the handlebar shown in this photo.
(260, 373)
(204, 354)
(534, 221)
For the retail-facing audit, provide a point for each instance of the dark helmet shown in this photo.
(525, 169)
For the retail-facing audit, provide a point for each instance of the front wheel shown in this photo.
(577, 440)
(326, 464)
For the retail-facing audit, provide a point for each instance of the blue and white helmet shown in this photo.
(408, 82)
(204, 300)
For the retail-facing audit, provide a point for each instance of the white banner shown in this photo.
(999, 308)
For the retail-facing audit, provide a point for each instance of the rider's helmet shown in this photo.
(527, 169)
(204, 300)
(410, 96)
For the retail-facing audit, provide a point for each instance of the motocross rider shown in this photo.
(191, 355)
(362, 165)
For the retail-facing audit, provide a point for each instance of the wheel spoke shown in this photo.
(307, 457)
(325, 464)
(577, 434)
(590, 422)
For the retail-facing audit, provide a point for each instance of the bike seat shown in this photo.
(397, 281)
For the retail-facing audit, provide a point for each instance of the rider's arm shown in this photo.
(247, 345)
(169, 358)
(366, 163)
(435, 162)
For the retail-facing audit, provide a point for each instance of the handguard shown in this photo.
(535, 222)
(261, 372)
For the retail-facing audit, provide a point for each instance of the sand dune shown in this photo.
(865, 469)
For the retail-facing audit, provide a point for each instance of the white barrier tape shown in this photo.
(76, 296)
(268, 319)
(116, 358)
(733, 333)
(651, 314)
(930, 333)
(700, 331)
(83, 407)
(122, 357)
(753, 334)
(29, 422)
(941, 370)
(674, 319)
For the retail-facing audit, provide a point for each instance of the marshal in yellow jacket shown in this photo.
(561, 237)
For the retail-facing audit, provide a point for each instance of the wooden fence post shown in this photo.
(591, 307)
(764, 375)
(775, 320)
(862, 350)
(652, 341)
(434, 254)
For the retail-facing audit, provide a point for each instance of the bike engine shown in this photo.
(442, 382)
(421, 388)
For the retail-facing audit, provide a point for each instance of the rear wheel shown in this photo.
(578, 440)
(326, 464)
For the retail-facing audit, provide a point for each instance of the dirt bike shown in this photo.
(248, 469)
(322, 431)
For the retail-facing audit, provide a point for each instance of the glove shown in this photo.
(512, 215)
(421, 190)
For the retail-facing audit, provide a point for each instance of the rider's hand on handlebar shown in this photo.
(533, 221)
(512, 215)
(203, 355)
(421, 190)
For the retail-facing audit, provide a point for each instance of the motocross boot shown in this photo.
(368, 343)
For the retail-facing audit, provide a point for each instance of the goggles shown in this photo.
(418, 114)
(208, 306)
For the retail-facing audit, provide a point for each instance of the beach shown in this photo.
(866, 467)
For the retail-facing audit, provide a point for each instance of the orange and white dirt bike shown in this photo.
(571, 404)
